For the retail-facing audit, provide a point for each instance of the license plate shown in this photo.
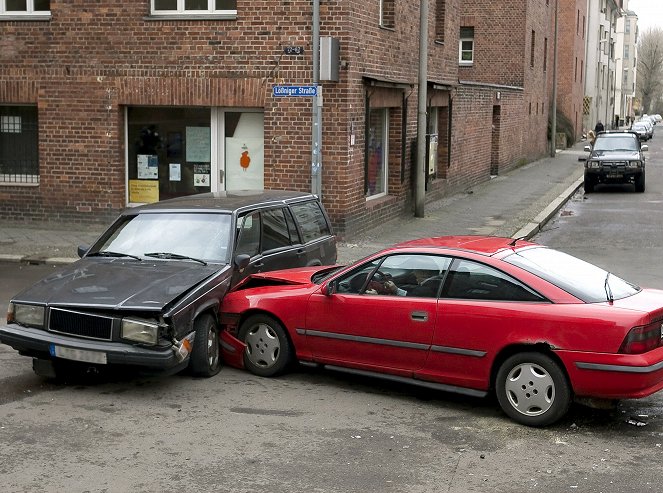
(614, 175)
(78, 354)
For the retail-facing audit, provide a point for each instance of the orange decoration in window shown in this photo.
(245, 160)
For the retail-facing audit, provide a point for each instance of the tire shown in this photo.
(589, 184)
(205, 354)
(640, 183)
(532, 389)
(268, 348)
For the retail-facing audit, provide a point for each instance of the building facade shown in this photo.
(626, 64)
(105, 105)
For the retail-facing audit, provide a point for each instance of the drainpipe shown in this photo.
(316, 130)
(553, 124)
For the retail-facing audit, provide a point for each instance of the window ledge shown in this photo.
(191, 17)
(25, 17)
(18, 184)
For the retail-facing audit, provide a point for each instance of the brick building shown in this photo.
(109, 104)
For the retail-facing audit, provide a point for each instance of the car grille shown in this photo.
(614, 165)
(80, 324)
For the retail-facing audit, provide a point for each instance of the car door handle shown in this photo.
(419, 316)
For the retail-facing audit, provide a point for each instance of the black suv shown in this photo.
(146, 294)
(615, 157)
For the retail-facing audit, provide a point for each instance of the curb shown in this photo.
(530, 229)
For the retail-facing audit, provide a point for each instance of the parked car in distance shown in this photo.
(642, 130)
(650, 126)
(146, 294)
(615, 157)
(469, 314)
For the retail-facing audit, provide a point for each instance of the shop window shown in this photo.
(169, 151)
(432, 140)
(25, 8)
(244, 144)
(19, 145)
(377, 153)
(194, 7)
(466, 46)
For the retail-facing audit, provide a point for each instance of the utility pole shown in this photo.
(316, 130)
(420, 174)
(553, 124)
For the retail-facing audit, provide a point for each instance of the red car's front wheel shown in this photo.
(268, 349)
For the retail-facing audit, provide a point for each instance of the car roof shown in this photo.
(227, 201)
(615, 134)
(486, 245)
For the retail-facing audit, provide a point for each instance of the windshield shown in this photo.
(583, 280)
(201, 236)
(616, 144)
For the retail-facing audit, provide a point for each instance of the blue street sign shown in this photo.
(295, 91)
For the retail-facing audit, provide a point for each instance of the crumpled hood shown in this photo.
(119, 283)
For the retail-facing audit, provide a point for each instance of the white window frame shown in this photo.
(461, 51)
(181, 11)
(29, 13)
(385, 155)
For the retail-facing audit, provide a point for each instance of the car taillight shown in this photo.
(642, 339)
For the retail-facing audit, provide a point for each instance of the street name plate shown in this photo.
(279, 91)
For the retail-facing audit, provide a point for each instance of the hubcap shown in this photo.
(262, 346)
(530, 389)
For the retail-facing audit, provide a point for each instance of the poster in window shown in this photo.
(175, 172)
(148, 167)
(198, 144)
(245, 166)
(201, 175)
(143, 191)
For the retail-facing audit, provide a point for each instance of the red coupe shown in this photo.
(466, 314)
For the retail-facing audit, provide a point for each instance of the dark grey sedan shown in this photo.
(146, 293)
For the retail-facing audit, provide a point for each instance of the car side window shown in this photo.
(355, 282)
(311, 219)
(476, 281)
(292, 227)
(248, 241)
(275, 232)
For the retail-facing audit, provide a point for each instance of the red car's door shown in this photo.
(379, 332)
(363, 324)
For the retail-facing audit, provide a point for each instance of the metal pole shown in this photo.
(420, 174)
(553, 124)
(316, 130)
(607, 86)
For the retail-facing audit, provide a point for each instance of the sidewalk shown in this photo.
(515, 204)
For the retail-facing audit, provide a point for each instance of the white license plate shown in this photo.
(78, 354)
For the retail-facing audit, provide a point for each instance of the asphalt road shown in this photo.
(313, 431)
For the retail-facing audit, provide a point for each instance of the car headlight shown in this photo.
(28, 315)
(593, 164)
(634, 164)
(144, 331)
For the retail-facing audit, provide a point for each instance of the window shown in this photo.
(626, 52)
(627, 26)
(19, 145)
(32, 8)
(377, 153)
(545, 54)
(311, 220)
(249, 235)
(440, 15)
(194, 7)
(474, 281)
(466, 46)
(433, 139)
(387, 14)
(531, 52)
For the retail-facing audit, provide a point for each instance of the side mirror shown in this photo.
(644, 147)
(328, 289)
(588, 148)
(242, 261)
(82, 250)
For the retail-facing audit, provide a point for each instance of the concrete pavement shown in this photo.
(514, 204)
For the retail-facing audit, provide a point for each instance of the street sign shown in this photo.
(279, 91)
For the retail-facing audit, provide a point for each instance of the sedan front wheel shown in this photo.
(268, 349)
(532, 389)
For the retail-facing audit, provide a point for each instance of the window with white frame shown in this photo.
(377, 152)
(10, 8)
(194, 7)
(466, 46)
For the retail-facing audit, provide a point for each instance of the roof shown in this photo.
(227, 201)
(487, 245)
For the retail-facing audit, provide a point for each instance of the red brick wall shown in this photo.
(93, 59)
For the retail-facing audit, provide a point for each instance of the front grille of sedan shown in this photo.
(80, 324)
